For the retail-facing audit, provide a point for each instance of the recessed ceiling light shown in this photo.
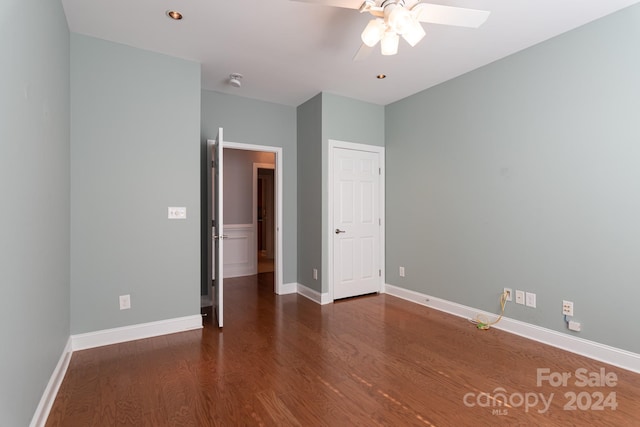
(173, 14)
(381, 76)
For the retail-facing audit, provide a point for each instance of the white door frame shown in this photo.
(278, 172)
(333, 144)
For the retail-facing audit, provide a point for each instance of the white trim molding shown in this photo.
(51, 391)
(591, 349)
(315, 296)
(288, 288)
(135, 332)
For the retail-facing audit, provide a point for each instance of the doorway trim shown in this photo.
(332, 145)
(278, 172)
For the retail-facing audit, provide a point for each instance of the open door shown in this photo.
(216, 152)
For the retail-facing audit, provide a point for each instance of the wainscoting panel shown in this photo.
(240, 250)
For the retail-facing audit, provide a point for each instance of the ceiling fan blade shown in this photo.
(363, 52)
(348, 4)
(448, 15)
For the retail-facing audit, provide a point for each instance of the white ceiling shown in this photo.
(289, 51)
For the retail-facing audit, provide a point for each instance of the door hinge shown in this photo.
(213, 164)
(379, 171)
(379, 221)
(379, 273)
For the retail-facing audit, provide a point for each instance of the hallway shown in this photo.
(265, 265)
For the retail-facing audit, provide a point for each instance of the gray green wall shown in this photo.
(309, 209)
(135, 123)
(250, 121)
(350, 120)
(524, 174)
(324, 117)
(34, 186)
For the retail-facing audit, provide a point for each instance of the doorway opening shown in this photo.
(244, 168)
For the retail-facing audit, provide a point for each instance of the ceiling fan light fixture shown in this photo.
(399, 18)
(373, 32)
(415, 34)
(389, 43)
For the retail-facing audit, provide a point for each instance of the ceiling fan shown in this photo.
(395, 18)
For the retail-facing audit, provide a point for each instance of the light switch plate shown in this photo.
(177, 212)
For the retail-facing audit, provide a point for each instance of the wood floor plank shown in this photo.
(370, 361)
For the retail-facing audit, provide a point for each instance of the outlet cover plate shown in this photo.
(519, 297)
(575, 326)
(530, 298)
(567, 308)
(125, 302)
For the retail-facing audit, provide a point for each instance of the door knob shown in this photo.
(338, 231)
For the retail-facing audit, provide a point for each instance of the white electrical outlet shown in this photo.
(177, 213)
(509, 294)
(575, 326)
(530, 298)
(567, 308)
(315, 274)
(401, 271)
(125, 302)
(519, 297)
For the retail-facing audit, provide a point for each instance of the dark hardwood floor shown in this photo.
(369, 361)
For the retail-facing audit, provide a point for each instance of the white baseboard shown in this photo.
(51, 391)
(135, 332)
(591, 349)
(314, 296)
(288, 288)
